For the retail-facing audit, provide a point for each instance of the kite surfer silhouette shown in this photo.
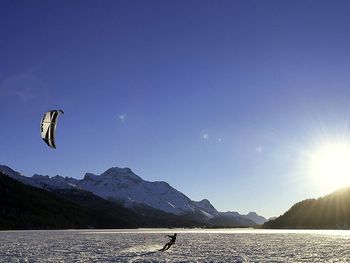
(170, 243)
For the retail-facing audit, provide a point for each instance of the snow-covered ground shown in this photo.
(238, 245)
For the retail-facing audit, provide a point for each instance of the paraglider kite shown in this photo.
(48, 127)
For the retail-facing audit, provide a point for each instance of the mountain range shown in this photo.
(123, 187)
(26, 207)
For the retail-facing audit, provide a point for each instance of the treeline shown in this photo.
(329, 212)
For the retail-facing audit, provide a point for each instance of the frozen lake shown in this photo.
(141, 245)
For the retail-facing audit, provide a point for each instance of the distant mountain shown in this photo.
(123, 186)
(329, 212)
(259, 220)
(231, 221)
(255, 218)
(41, 181)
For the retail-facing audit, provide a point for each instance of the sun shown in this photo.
(329, 165)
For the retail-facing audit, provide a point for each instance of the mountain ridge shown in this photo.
(123, 186)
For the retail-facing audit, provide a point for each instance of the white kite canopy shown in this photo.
(48, 127)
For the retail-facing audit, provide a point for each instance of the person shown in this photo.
(170, 243)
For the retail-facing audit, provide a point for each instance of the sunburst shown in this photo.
(329, 165)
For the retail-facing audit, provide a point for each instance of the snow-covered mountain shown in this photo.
(41, 181)
(255, 218)
(124, 186)
(250, 216)
(206, 206)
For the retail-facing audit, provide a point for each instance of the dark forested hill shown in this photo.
(329, 212)
(26, 207)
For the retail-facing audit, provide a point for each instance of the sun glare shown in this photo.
(330, 166)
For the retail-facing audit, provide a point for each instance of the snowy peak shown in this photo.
(117, 171)
(109, 183)
(115, 174)
(9, 172)
(206, 207)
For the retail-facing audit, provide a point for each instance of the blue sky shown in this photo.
(221, 99)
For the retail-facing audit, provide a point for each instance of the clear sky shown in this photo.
(224, 100)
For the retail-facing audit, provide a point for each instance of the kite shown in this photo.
(48, 127)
